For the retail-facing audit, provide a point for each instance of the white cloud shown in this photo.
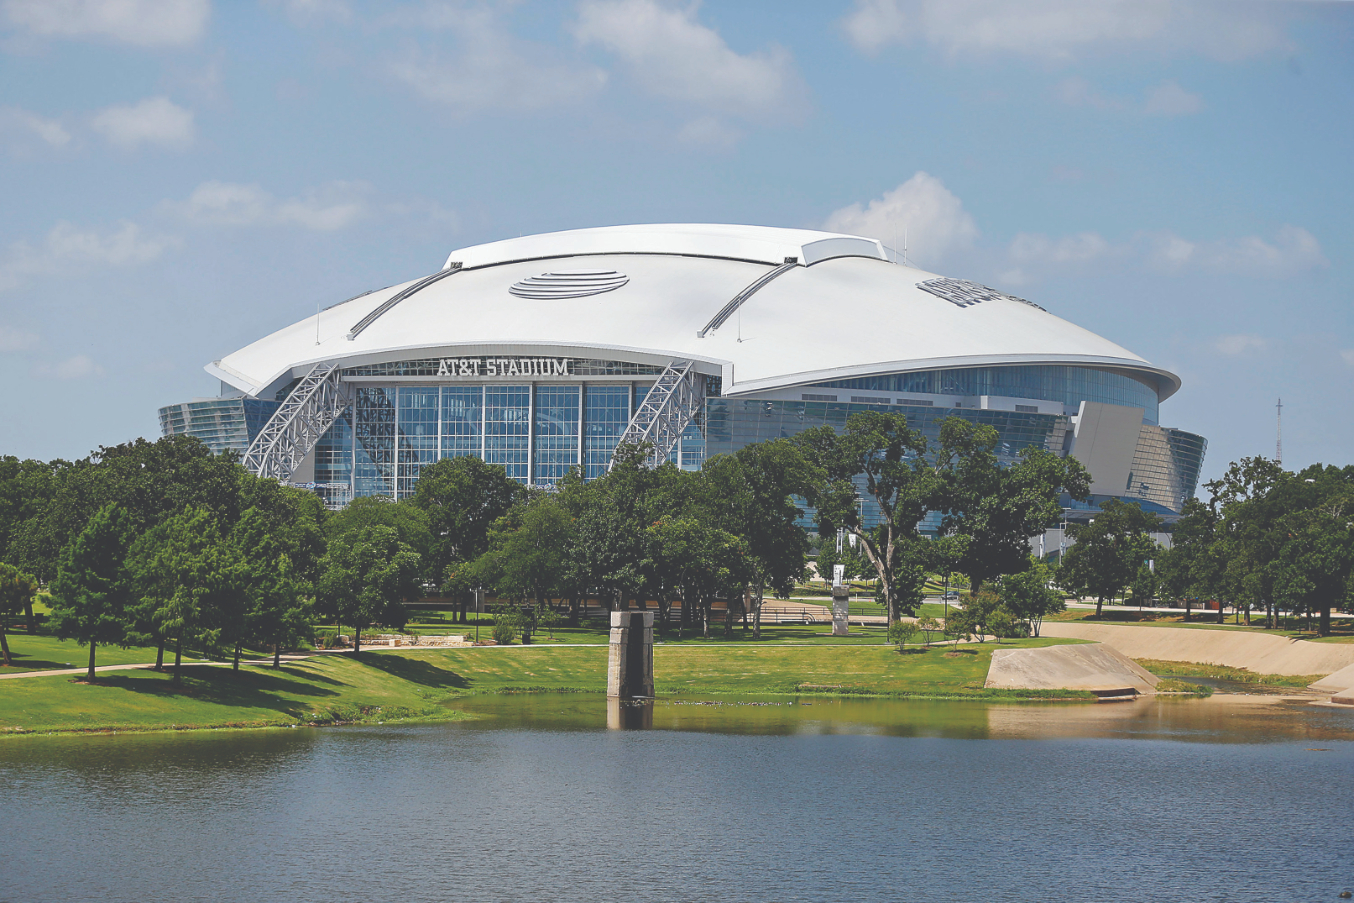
(490, 69)
(1293, 250)
(12, 339)
(1165, 99)
(1347, 355)
(143, 23)
(922, 210)
(325, 209)
(672, 55)
(155, 121)
(1061, 30)
(19, 127)
(76, 367)
(709, 132)
(306, 12)
(1169, 99)
(1238, 344)
(67, 247)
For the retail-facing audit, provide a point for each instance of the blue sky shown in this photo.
(182, 177)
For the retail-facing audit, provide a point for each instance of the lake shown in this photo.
(1224, 799)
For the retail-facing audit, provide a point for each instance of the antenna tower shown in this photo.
(1278, 438)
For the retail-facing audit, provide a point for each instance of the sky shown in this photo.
(183, 177)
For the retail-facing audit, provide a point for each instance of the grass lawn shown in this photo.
(1222, 672)
(1342, 630)
(390, 686)
(322, 689)
(45, 653)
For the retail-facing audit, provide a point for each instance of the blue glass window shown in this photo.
(507, 428)
(556, 433)
(462, 411)
(607, 413)
(417, 435)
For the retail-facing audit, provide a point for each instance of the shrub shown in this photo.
(902, 633)
(504, 632)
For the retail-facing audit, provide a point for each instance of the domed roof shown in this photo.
(764, 308)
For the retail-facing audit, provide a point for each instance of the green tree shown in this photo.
(17, 591)
(274, 611)
(90, 592)
(889, 458)
(1315, 557)
(1030, 596)
(1108, 551)
(903, 632)
(750, 495)
(928, 625)
(701, 561)
(529, 550)
(462, 498)
(367, 576)
(999, 504)
(190, 574)
(1190, 568)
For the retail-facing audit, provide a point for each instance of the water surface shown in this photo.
(863, 801)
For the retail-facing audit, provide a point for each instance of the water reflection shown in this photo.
(1219, 719)
(629, 714)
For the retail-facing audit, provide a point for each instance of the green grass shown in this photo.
(45, 653)
(1342, 630)
(320, 690)
(1223, 672)
(397, 686)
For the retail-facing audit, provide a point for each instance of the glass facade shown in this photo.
(222, 423)
(555, 443)
(507, 428)
(605, 418)
(1050, 382)
(399, 423)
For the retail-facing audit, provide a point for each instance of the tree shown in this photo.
(90, 592)
(998, 507)
(702, 561)
(1029, 594)
(902, 632)
(928, 625)
(191, 576)
(17, 591)
(529, 550)
(461, 498)
(275, 611)
(1107, 551)
(1189, 569)
(750, 494)
(1315, 558)
(366, 577)
(888, 457)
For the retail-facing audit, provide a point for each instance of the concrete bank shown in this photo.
(1095, 667)
(1233, 648)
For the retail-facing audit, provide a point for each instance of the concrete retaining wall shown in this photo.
(1089, 666)
(1234, 648)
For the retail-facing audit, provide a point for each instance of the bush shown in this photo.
(902, 633)
(504, 632)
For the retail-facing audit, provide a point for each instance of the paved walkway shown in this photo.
(169, 666)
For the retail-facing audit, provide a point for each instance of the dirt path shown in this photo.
(1257, 652)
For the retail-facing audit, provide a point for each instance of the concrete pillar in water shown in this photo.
(629, 670)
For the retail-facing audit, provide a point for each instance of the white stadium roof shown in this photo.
(835, 307)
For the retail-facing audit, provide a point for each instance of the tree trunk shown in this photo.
(277, 655)
(28, 613)
(357, 640)
(89, 675)
(178, 658)
(1324, 628)
(160, 655)
(705, 618)
(1187, 608)
(1248, 615)
(4, 645)
(1221, 608)
(757, 612)
(236, 665)
(1099, 606)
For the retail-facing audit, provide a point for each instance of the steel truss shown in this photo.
(294, 429)
(673, 402)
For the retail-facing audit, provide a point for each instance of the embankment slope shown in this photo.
(1090, 666)
(1257, 652)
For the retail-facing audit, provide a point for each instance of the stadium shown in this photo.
(545, 352)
